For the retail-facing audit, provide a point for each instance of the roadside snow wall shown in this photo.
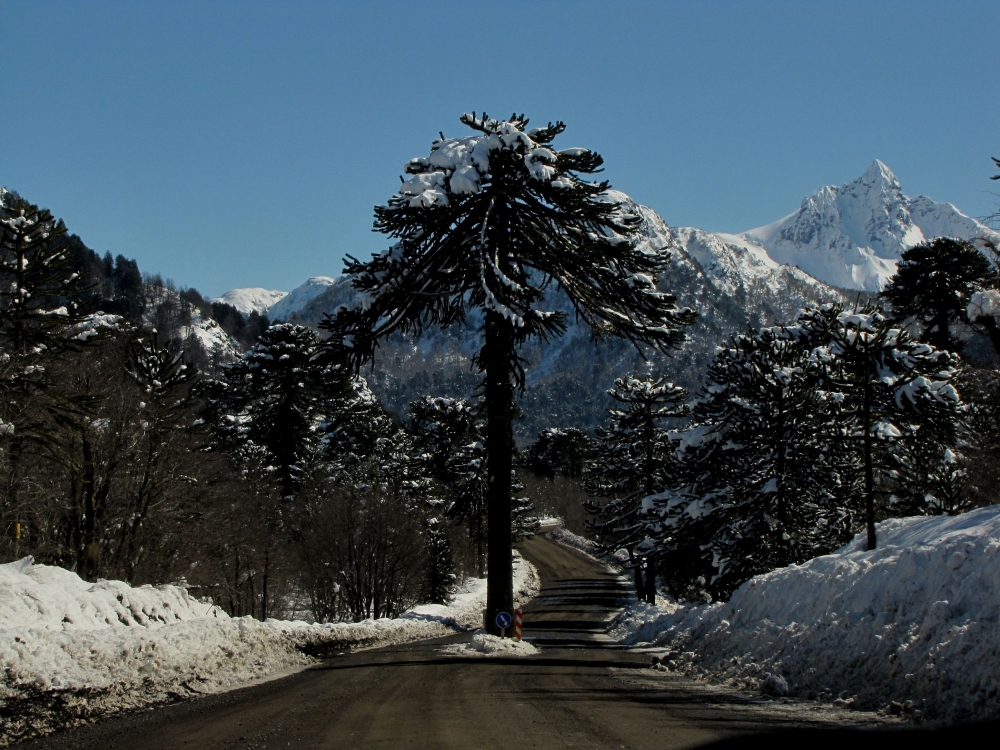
(72, 650)
(917, 619)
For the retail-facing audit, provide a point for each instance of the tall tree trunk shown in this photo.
(992, 330)
(869, 468)
(499, 392)
(267, 573)
(640, 590)
(650, 593)
(649, 590)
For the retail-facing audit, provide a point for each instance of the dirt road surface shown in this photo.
(581, 691)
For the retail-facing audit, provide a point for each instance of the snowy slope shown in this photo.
(299, 297)
(121, 647)
(252, 299)
(211, 337)
(917, 619)
(852, 236)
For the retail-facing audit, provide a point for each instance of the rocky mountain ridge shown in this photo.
(853, 235)
(842, 240)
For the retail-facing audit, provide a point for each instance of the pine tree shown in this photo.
(166, 385)
(41, 319)
(755, 465)
(271, 397)
(632, 461)
(885, 382)
(355, 428)
(933, 285)
(925, 475)
(488, 223)
(451, 440)
(439, 425)
(561, 450)
(440, 562)
(468, 484)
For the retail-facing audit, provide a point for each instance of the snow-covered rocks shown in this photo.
(915, 621)
(123, 647)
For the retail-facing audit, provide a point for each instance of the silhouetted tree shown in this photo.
(488, 223)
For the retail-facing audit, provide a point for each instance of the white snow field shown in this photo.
(913, 625)
(252, 299)
(85, 649)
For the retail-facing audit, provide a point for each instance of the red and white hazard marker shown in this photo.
(517, 624)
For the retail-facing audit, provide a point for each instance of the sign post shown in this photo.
(517, 624)
(503, 622)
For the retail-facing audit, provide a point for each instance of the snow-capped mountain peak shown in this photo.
(251, 299)
(300, 296)
(277, 305)
(853, 235)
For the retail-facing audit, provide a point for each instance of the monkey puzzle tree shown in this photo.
(934, 284)
(485, 225)
(633, 460)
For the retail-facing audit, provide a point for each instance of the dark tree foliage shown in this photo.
(486, 224)
(795, 432)
(355, 428)
(933, 285)
(246, 330)
(560, 450)
(271, 397)
(757, 475)
(633, 459)
(448, 435)
(440, 426)
(440, 568)
(39, 285)
(41, 320)
(886, 381)
(979, 435)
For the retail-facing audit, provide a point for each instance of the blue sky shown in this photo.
(244, 144)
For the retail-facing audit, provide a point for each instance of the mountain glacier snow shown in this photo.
(852, 236)
(252, 299)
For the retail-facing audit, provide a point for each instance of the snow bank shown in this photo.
(912, 624)
(484, 644)
(618, 561)
(70, 649)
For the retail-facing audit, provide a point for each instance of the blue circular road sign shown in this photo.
(504, 620)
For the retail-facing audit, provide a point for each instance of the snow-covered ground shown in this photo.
(618, 561)
(912, 626)
(70, 649)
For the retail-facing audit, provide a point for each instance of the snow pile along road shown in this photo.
(913, 625)
(484, 644)
(71, 650)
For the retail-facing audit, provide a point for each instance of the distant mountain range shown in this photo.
(843, 238)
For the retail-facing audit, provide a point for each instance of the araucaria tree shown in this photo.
(633, 459)
(755, 479)
(934, 284)
(486, 224)
(885, 381)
